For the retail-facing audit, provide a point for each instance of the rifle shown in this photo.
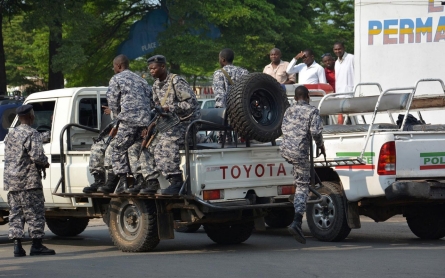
(163, 121)
(111, 133)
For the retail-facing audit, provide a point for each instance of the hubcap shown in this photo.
(324, 213)
(263, 107)
(129, 221)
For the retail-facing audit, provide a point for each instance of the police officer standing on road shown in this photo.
(174, 95)
(24, 159)
(301, 122)
(128, 97)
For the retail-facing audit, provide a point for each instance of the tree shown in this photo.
(8, 8)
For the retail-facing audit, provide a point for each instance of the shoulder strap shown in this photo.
(164, 100)
(227, 76)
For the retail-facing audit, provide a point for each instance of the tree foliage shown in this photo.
(78, 39)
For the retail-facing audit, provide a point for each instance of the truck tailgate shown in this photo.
(420, 155)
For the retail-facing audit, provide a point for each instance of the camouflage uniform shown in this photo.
(133, 153)
(221, 85)
(23, 155)
(162, 155)
(301, 123)
(128, 97)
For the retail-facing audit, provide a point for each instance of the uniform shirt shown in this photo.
(344, 74)
(279, 73)
(23, 151)
(221, 85)
(300, 122)
(330, 77)
(313, 74)
(181, 99)
(128, 97)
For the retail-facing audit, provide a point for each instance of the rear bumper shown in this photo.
(416, 190)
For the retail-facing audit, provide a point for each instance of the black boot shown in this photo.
(122, 186)
(139, 183)
(295, 229)
(99, 180)
(37, 248)
(176, 182)
(110, 185)
(18, 249)
(151, 187)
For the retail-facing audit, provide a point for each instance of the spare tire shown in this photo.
(256, 106)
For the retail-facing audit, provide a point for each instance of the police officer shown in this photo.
(128, 97)
(24, 159)
(301, 122)
(223, 79)
(174, 94)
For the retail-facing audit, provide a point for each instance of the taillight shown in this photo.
(286, 189)
(213, 194)
(387, 159)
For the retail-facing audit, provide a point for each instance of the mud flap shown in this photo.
(165, 226)
(353, 216)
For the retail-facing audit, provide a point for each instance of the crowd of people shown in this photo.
(132, 103)
(339, 73)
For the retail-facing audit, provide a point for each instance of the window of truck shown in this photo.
(87, 111)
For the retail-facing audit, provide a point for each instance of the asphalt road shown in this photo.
(386, 249)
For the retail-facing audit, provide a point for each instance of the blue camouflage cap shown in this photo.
(157, 59)
(23, 110)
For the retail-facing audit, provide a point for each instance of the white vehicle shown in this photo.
(228, 189)
(404, 166)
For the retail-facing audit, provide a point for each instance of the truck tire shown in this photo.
(255, 107)
(133, 224)
(280, 218)
(327, 220)
(188, 229)
(427, 226)
(229, 233)
(67, 226)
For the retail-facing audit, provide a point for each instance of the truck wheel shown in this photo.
(68, 226)
(255, 107)
(229, 233)
(427, 226)
(327, 220)
(280, 218)
(188, 229)
(133, 224)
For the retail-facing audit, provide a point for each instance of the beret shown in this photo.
(24, 109)
(157, 59)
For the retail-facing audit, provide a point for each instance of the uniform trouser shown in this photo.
(133, 153)
(302, 176)
(26, 206)
(162, 156)
(125, 138)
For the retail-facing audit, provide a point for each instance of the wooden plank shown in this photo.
(420, 102)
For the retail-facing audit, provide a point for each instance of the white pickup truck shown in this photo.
(405, 164)
(229, 189)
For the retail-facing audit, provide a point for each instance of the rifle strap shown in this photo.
(226, 74)
(164, 100)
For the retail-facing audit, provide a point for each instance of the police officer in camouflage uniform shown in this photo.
(223, 79)
(174, 94)
(128, 97)
(97, 163)
(301, 122)
(24, 159)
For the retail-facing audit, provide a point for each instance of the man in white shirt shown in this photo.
(344, 69)
(277, 68)
(309, 72)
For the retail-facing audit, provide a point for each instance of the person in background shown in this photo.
(277, 68)
(309, 72)
(329, 68)
(344, 69)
